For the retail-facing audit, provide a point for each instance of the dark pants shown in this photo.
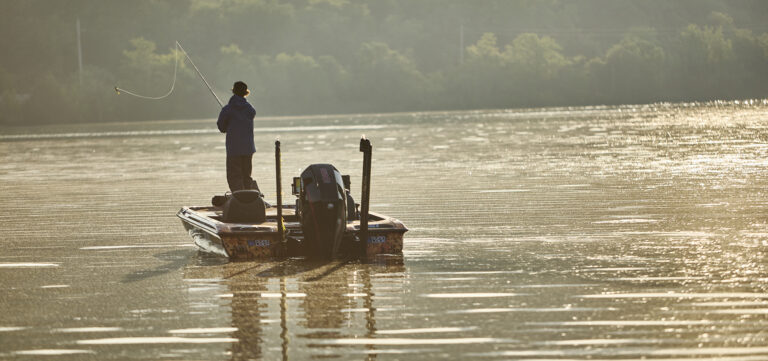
(239, 172)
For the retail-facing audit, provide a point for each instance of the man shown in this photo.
(236, 119)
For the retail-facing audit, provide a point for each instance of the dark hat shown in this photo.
(240, 89)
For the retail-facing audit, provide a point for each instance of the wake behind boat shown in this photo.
(325, 222)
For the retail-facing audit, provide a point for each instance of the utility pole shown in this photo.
(79, 54)
(461, 43)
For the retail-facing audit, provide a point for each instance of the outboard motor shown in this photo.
(322, 207)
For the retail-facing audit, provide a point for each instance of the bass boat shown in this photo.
(324, 223)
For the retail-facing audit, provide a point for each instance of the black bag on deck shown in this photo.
(245, 206)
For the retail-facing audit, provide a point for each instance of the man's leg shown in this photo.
(247, 166)
(235, 173)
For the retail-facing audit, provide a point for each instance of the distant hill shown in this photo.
(343, 56)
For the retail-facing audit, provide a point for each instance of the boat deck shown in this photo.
(289, 216)
(242, 241)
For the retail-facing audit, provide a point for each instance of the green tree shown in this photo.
(631, 71)
(147, 69)
(539, 57)
(299, 82)
(253, 23)
(234, 64)
(486, 50)
(305, 56)
(526, 73)
(707, 43)
(385, 78)
(482, 81)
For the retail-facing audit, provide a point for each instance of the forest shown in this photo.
(362, 56)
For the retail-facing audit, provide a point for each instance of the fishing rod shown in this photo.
(173, 84)
(200, 74)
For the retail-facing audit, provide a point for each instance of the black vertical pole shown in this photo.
(279, 192)
(366, 148)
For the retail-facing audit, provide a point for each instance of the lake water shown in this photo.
(572, 233)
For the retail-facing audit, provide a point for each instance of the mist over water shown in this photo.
(566, 233)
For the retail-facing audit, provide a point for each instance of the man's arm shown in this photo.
(223, 122)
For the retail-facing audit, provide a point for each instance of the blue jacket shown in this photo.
(236, 119)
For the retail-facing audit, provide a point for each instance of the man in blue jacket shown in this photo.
(236, 119)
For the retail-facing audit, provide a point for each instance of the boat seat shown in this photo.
(245, 206)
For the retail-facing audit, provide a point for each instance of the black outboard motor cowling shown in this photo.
(322, 207)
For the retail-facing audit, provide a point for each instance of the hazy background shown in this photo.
(339, 56)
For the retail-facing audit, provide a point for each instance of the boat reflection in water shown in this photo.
(295, 308)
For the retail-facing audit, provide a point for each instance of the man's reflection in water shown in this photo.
(325, 291)
(246, 305)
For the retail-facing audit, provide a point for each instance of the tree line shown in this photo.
(346, 56)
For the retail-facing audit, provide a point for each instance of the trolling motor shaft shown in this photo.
(367, 149)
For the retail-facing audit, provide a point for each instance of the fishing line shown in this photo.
(173, 84)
